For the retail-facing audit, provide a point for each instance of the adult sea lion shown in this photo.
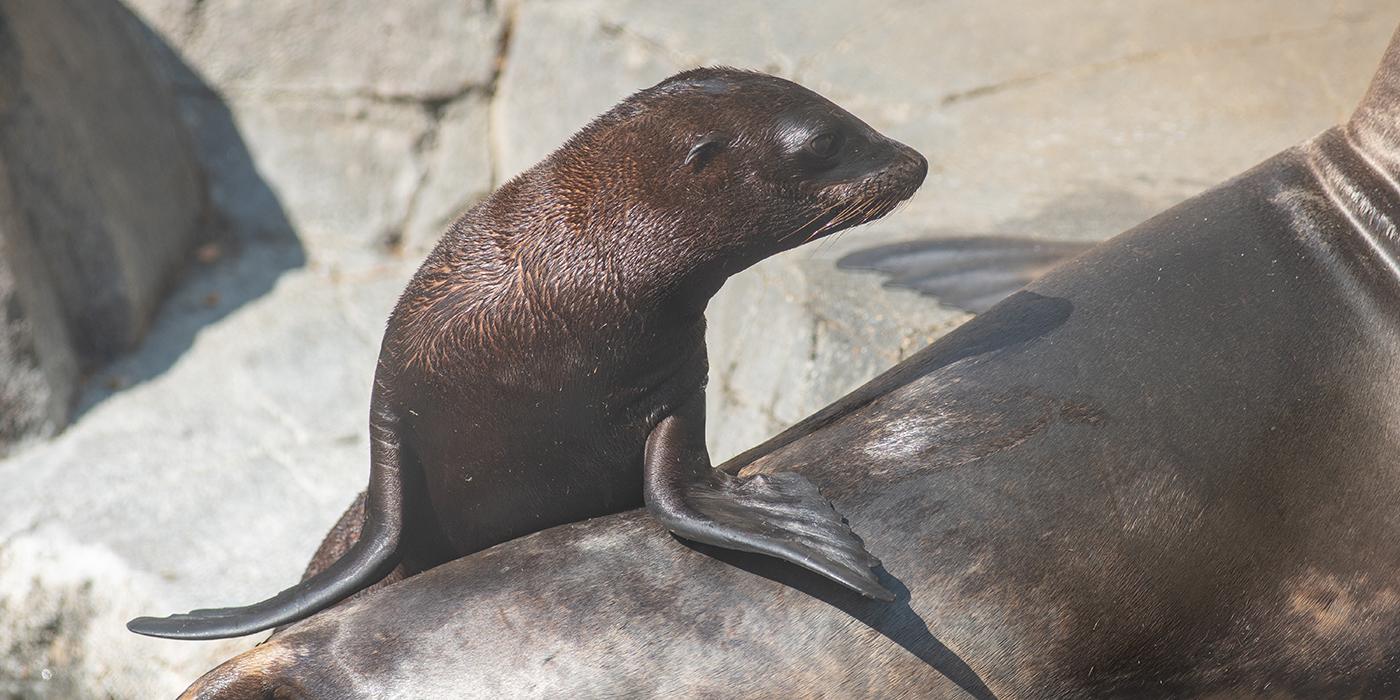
(547, 364)
(1167, 468)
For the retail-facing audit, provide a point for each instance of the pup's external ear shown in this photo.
(704, 151)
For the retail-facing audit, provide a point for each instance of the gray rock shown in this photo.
(408, 49)
(367, 120)
(241, 435)
(38, 370)
(564, 66)
(103, 199)
(457, 172)
(345, 170)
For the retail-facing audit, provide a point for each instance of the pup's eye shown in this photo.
(703, 151)
(825, 145)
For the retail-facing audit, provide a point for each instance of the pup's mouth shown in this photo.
(865, 199)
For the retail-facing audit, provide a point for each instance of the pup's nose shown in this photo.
(913, 166)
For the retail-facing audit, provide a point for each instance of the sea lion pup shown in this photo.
(547, 362)
(1168, 468)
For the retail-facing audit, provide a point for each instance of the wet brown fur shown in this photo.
(570, 303)
(557, 323)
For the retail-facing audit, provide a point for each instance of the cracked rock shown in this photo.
(407, 49)
(344, 170)
(457, 173)
(347, 108)
(565, 68)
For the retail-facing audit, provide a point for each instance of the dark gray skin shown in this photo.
(1168, 468)
(559, 326)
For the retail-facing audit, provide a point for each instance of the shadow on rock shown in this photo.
(973, 272)
(251, 244)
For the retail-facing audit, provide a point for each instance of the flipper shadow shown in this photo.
(249, 228)
(896, 620)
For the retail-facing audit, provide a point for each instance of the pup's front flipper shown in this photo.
(781, 515)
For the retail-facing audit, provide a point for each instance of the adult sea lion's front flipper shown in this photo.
(373, 556)
(782, 515)
(970, 273)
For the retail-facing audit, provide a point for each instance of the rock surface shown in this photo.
(206, 466)
(102, 201)
(367, 120)
(38, 368)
